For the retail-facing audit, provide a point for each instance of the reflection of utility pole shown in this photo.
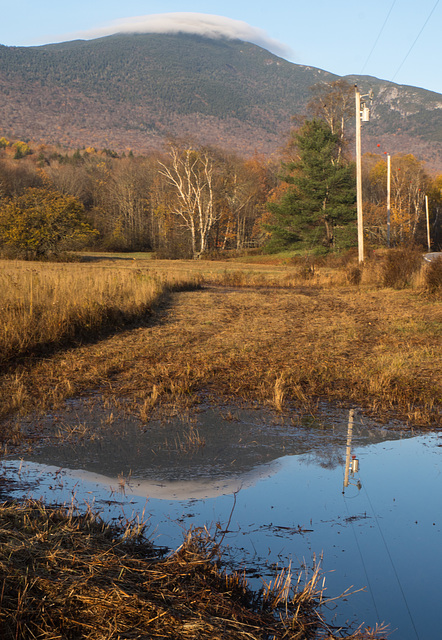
(351, 463)
(348, 453)
(364, 116)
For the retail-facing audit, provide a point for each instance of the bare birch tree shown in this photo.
(190, 173)
(334, 103)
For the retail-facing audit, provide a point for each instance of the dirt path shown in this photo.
(271, 346)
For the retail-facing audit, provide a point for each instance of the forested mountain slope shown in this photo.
(133, 91)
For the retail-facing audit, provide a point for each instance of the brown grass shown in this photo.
(72, 576)
(46, 305)
(433, 278)
(271, 340)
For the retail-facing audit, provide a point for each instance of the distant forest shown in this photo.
(127, 202)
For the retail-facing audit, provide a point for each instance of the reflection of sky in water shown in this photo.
(385, 536)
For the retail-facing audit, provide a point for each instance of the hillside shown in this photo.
(132, 91)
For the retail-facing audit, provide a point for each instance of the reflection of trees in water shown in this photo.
(329, 456)
(329, 451)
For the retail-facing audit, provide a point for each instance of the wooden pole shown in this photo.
(359, 176)
(388, 198)
(348, 453)
(428, 223)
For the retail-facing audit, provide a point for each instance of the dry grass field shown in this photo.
(154, 336)
(147, 333)
(47, 305)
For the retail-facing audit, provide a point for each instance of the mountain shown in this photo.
(133, 91)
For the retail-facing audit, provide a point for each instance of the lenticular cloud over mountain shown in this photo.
(202, 24)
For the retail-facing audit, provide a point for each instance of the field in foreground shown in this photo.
(254, 333)
(71, 576)
(149, 336)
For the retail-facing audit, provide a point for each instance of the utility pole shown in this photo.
(364, 116)
(359, 176)
(388, 198)
(428, 223)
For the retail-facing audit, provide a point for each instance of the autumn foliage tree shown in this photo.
(409, 183)
(121, 195)
(41, 222)
(246, 185)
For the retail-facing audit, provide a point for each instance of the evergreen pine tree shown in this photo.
(321, 194)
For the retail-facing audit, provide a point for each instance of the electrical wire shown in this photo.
(379, 35)
(360, 555)
(362, 562)
(416, 39)
(392, 563)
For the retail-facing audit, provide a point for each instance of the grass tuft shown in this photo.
(433, 278)
(400, 266)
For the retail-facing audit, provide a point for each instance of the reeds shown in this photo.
(279, 393)
(189, 441)
(72, 576)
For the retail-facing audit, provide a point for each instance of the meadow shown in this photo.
(283, 333)
(153, 336)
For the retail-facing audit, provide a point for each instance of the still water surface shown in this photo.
(279, 487)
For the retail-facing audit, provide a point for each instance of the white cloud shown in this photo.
(203, 24)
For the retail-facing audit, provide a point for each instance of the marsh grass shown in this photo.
(44, 305)
(279, 393)
(272, 339)
(189, 441)
(66, 575)
(149, 404)
(396, 269)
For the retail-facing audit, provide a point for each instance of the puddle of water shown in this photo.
(281, 489)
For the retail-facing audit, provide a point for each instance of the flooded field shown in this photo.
(273, 488)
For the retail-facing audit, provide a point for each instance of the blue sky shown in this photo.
(397, 40)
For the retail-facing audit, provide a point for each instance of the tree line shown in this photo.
(191, 201)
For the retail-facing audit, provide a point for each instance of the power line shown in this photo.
(417, 38)
(362, 562)
(391, 562)
(379, 35)
(350, 520)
